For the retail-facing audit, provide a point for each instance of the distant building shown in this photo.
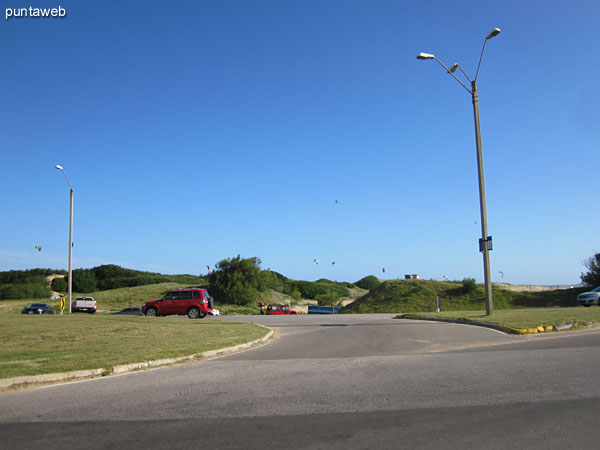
(414, 276)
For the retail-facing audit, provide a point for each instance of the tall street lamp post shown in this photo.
(485, 243)
(70, 236)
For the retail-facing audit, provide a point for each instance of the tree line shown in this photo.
(234, 280)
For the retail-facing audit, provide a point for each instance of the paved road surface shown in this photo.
(344, 381)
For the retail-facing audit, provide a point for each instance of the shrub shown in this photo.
(84, 280)
(59, 284)
(24, 290)
(237, 281)
(469, 285)
(310, 289)
(274, 280)
(369, 282)
(328, 299)
(592, 277)
(27, 276)
(296, 295)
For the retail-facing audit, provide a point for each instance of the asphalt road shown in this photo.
(344, 381)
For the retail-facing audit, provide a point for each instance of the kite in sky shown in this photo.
(39, 248)
(334, 264)
(383, 269)
(208, 268)
(316, 261)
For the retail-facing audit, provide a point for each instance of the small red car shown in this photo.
(279, 310)
(195, 302)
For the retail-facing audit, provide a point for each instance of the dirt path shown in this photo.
(53, 294)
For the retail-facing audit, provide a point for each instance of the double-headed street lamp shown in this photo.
(70, 235)
(485, 243)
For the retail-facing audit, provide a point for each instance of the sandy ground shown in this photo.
(530, 287)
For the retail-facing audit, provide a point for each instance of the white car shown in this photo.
(84, 304)
(589, 298)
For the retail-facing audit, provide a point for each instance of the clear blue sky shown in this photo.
(194, 131)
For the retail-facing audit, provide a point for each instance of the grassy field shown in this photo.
(115, 300)
(33, 344)
(108, 301)
(528, 318)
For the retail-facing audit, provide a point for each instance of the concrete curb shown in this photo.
(50, 377)
(571, 324)
(125, 368)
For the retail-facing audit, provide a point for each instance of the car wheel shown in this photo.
(151, 312)
(193, 313)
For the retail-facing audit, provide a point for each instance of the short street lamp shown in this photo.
(70, 281)
(485, 243)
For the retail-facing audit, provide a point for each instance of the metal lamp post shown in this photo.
(485, 243)
(70, 236)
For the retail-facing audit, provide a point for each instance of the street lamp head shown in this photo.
(59, 167)
(453, 68)
(425, 56)
(494, 32)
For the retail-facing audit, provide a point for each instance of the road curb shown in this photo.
(125, 368)
(563, 326)
(504, 329)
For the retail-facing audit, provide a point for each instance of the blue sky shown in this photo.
(195, 131)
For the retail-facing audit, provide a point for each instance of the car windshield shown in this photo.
(38, 305)
(596, 290)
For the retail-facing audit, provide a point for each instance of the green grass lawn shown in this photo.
(527, 318)
(33, 344)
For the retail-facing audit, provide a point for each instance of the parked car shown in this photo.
(193, 302)
(84, 304)
(279, 310)
(37, 308)
(589, 298)
(133, 311)
(317, 309)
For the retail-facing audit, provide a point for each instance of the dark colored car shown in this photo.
(133, 311)
(279, 310)
(37, 308)
(193, 302)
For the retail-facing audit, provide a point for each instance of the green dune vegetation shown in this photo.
(239, 284)
(398, 296)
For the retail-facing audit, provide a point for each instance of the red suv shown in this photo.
(194, 302)
(279, 310)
